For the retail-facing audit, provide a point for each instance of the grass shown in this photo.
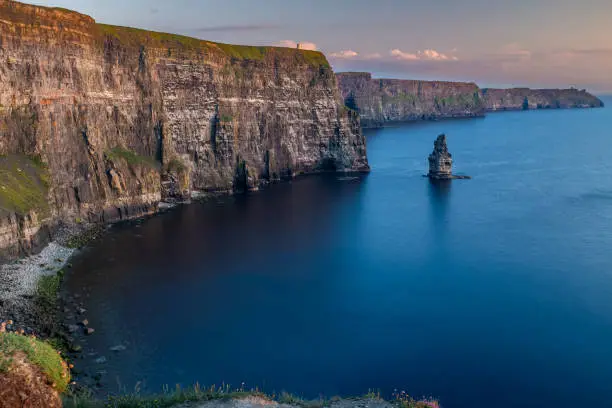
(131, 158)
(46, 303)
(24, 184)
(171, 398)
(38, 353)
(135, 37)
(48, 287)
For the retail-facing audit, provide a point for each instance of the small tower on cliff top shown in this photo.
(440, 161)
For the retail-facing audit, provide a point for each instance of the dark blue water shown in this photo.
(490, 292)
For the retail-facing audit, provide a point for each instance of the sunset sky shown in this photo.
(546, 43)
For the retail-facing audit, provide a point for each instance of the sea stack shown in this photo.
(440, 161)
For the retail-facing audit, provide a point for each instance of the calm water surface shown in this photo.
(492, 292)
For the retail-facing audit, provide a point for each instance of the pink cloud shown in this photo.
(344, 54)
(426, 55)
(404, 56)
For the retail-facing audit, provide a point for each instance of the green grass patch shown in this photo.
(135, 37)
(24, 184)
(131, 158)
(179, 396)
(48, 287)
(38, 353)
(171, 398)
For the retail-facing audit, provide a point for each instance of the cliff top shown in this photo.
(368, 77)
(64, 19)
(524, 89)
(136, 37)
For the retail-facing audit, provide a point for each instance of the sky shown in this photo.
(536, 43)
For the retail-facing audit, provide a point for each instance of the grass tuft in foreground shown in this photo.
(39, 353)
(179, 396)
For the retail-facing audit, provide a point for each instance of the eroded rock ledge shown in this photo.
(107, 121)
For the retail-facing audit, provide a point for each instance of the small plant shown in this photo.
(406, 401)
(37, 352)
(47, 288)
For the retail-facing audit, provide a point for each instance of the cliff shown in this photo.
(100, 123)
(526, 99)
(380, 101)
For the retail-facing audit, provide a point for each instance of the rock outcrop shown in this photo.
(383, 101)
(99, 123)
(527, 99)
(440, 161)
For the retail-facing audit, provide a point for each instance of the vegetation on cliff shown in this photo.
(130, 157)
(135, 37)
(205, 397)
(381, 101)
(24, 184)
(37, 352)
(526, 99)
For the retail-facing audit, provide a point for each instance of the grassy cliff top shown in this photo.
(29, 14)
(136, 37)
(37, 352)
(60, 19)
(368, 76)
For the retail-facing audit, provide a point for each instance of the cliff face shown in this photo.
(100, 123)
(380, 101)
(525, 99)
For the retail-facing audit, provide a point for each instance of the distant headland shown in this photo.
(383, 101)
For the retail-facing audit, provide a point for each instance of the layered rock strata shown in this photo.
(383, 101)
(440, 161)
(528, 99)
(100, 123)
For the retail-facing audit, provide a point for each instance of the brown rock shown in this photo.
(25, 386)
(383, 101)
(440, 161)
(123, 118)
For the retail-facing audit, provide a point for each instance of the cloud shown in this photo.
(245, 27)
(404, 56)
(304, 45)
(510, 64)
(429, 54)
(154, 10)
(344, 54)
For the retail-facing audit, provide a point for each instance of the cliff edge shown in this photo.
(99, 123)
(380, 101)
(528, 99)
